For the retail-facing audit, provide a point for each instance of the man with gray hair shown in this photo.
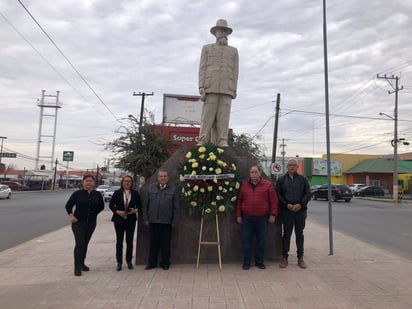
(161, 214)
(218, 74)
(294, 194)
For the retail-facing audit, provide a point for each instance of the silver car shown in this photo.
(109, 193)
(102, 188)
(5, 191)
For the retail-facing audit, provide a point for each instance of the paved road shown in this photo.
(385, 225)
(30, 214)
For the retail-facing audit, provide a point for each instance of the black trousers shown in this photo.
(292, 220)
(123, 228)
(160, 239)
(82, 232)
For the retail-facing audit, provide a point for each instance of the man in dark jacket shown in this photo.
(294, 194)
(161, 213)
(257, 205)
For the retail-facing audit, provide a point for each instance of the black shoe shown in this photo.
(260, 266)
(129, 265)
(149, 267)
(165, 267)
(85, 268)
(246, 266)
(77, 272)
(119, 267)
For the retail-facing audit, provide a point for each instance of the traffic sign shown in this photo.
(68, 155)
(276, 168)
(8, 154)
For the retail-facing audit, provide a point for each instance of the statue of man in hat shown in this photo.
(218, 74)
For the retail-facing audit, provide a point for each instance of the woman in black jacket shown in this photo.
(125, 204)
(83, 207)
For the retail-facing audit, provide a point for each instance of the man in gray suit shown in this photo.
(218, 74)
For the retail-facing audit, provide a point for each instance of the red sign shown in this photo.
(180, 135)
(188, 136)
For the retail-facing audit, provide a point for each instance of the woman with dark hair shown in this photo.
(125, 204)
(87, 203)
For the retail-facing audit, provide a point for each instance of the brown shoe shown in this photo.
(283, 263)
(301, 263)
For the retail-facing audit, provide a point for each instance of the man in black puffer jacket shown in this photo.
(294, 194)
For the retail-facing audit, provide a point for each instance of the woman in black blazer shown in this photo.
(125, 204)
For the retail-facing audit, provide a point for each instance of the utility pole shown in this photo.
(396, 89)
(55, 172)
(275, 133)
(143, 95)
(283, 145)
(43, 116)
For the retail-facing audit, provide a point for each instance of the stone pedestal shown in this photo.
(185, 237)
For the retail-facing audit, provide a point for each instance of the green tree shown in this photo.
(140, 153)
(246, 142)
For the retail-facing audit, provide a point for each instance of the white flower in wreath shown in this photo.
(196, 188)
(222, 208)
(208, 210)
(233, 199)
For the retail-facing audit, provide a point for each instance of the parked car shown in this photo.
(355, 187)
(102, 188)
(339, 192)
(370, 191)
(14, 185)
(5, 191)
(109, 193)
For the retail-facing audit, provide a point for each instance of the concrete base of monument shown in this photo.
(185, 237)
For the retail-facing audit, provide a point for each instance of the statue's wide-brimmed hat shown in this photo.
(221, 24)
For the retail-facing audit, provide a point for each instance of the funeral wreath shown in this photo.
(209, 181)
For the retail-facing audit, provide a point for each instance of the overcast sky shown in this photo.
(120, 47)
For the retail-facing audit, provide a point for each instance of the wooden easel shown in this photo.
(217, 242)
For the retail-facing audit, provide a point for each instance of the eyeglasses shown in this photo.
(292, 165)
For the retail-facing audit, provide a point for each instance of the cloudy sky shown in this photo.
(98, 52)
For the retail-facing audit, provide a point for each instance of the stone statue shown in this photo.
(218, 74)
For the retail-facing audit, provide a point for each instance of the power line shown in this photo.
(67, 59)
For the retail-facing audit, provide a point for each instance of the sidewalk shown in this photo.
(39, 274)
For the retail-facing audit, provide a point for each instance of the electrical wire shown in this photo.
(68, 61)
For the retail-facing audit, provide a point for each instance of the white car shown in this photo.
(5, 191)
(109, 193)
(355, 187)
(102, 188)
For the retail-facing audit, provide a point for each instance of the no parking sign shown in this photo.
(276, 168)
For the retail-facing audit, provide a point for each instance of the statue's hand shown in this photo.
(202, 94)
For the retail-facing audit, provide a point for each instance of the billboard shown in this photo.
(320, 168)
(182, 109)
(188, 136)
